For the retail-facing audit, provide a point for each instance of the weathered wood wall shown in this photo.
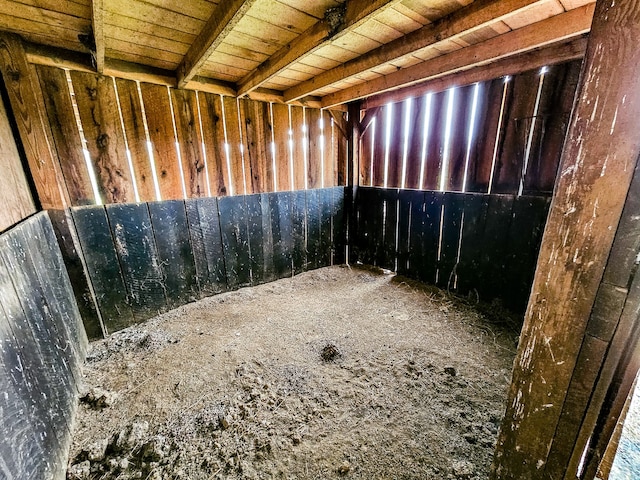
(15, 195)
(463, 242)
(144, 142)
(42, 346)
(500, 136)
(146, 258)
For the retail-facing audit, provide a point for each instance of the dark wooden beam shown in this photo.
(476, 15)
(546, 32)
(224, 18)
(595, 173)
(315, 37)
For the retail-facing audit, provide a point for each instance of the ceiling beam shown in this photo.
(552, 30)
(224, 18)
(355, 13)
(97, 23)
(466, 20)
(532, 60)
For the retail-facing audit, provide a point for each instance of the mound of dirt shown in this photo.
(336, 373)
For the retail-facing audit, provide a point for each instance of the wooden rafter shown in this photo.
(224, 18)
(97, 22)
(356, 12)
(555, 29)
(466, 20)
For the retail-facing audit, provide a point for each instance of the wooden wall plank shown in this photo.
(299, 233)
(185, 111)
(416, 140)
(366, 153)
(235, 241)
(282, 150)
(436, 141)
(282, 232)
(340, 128)
(21, 425)
(556, 101)
(379, 146)
(175, 252)
(28, 109)
(338, 225)
(256, 134)
(300, 147)
(234, 141)
(517, 121)
(103, 267)
(451, 229)
(214, 143)
(163, 140)
(133, 120)
(462, 109)
(206, 242)
(15, 194)
(43, 341)
(138, 255)
(58, 286)
(74, 264)
(27, 412)
(97, 105)
(396, 143)
(330, 151)
(62, 121)
(316, 147)
(475, 216)
(314, 226)
(260, 241)
(488, 120)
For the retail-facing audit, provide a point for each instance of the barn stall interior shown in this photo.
(215, 163)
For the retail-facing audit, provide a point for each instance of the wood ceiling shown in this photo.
(290, 49)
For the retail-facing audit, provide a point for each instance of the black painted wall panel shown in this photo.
(42, 347)
(495, 258)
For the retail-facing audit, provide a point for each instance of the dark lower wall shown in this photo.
(464, 242)
(42, 348)
(146, 258)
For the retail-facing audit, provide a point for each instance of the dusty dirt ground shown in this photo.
(336, 373)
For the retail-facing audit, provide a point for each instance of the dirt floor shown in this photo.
(336, 373)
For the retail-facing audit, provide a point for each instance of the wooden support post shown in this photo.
(596, 168)
(28, 107)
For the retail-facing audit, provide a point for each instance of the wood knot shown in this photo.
(14, 75)
(92, 93)
(102, 141)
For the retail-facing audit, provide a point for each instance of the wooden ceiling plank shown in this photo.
(97, 23)
(62, 6)
(142, 60)
(357, 12)
(146, 40)
(148, 13)
(226, 15)
(113, 20)
(43, 33)
(474, 17)
(39, 15)
(554, 29)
